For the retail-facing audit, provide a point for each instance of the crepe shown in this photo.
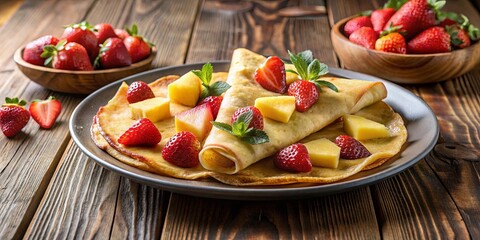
(224, 153)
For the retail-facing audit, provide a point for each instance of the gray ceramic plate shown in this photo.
(420, 121)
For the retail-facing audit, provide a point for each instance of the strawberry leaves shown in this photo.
(240, 129)
(84, 25)
(50, 51)
(205, 75)
(15, 101)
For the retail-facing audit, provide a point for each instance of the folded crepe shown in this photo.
(225, 153)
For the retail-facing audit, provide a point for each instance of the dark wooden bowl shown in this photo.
(79, 82)
(403, 68)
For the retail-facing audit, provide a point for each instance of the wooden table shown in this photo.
(50, 190)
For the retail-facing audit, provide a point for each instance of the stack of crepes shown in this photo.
(228, 159)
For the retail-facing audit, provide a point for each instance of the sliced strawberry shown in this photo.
(293, 158)
(182, 150)
(13, 116)
(214, 102)
(139, 91)
(271, 75)
(142, 133)
(196, 120)
(257, 120)
(305, 93)
(351, 148)
(45, 112)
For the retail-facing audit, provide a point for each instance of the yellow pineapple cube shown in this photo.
(323, 153)
(279, 108)
(155, 109)
(290, 77)
(361, 128)
(185, 90)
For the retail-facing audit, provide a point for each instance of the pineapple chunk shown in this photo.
(361, 128)
(323, 153)
(290, 77)
(278, 108)
(185, 90)
(155, 109)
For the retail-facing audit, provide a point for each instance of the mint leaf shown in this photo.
(222, 126)
(256, 136)
(300, 65)
(240, 129)
(313, 69)
(306, 55)
(330, 85)
(245, 117)
(218, 88)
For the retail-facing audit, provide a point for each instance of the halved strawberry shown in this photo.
(305, 93)
(293, 158)
(196, 120)
(182, 150)
(139, 91)
(214, 102)
(142, 133)
(271, 75)
(351, 148)
(45, 112)
(257, 120)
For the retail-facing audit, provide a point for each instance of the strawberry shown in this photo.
(209, 88)
(67, 56)
(13, 116)
(137, 46)
(305, 93)
(214, 102)
(182, 150)
(431, 40)
(355, 23)
(391, 41)
(271, 75)
(142, 133)
(380, 17)
(293, 158)
(351, 148)
(257, 119)
(462, 35)
(113, 54)
(45, 112)
(364, 36)
(34, 49)
(447, 22)
(103, 32)
(415, 16)
(83, 34)
(139, 91)
(122, 34)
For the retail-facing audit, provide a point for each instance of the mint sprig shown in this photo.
(205, 75)
(310, 69)
(240, 129)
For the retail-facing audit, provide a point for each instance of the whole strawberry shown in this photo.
(137, 46)
(214, 102)
(364, 36)
(415, 16)
(142, 133)
(257, 119)
(121, 33)
(33, 50)
(431, 40)
(293, 158)
(67, 56)
(103, 32)
(139, 91)
(463, 40)
(355, 23)
(113, 54)
(380, 17)
(182, 150)
(350, 148)
(13, 116)
(391, 41)
(83, 34)
(305, 93)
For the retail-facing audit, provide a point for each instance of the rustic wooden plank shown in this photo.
(219, 31)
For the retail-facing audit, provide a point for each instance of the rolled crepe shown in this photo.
(225, 153)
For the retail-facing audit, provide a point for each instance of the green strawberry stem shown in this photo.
(15, 101)
(205, 75)
(133, 31)
(240, 129)
(50, 51)
(395, 4)
(103, 48)
(84, 25)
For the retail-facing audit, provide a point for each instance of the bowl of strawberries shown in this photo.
(411, 42)
(85, 57)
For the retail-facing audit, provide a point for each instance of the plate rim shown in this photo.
(247, 192)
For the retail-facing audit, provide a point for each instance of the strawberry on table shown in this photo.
(391, 41)
(364, 36)
(357, 22)
(142, 133)
(293, 158)
(67, 56)
(45, 112)
(431, 40)
(214, 102)
(113, 54)
(83, 34)
(103, 32)
(182, 150)
(34, 49)
(271, 75)
(139, 91)
(350, 148)
(13, 116)
(137, 46)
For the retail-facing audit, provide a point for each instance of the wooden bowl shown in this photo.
(403, 68)
(79, 82)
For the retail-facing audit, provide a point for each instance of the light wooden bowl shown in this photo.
(403, 68)
(79, 82)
